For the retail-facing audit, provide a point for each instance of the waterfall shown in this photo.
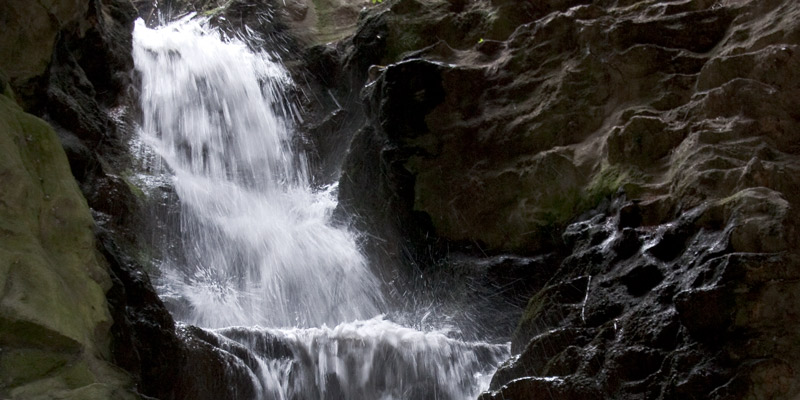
(255, 257)
(257, 237)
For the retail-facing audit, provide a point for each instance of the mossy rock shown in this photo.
(520, 207)
(55, 319)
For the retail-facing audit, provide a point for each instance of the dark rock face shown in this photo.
(89, 102)
(168, 361)
(71, 64)
(83, 90)
(646, 146)
(54, 317)
(534, 130)
(673, 327)
(145, 343)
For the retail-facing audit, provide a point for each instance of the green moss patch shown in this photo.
(54, 317)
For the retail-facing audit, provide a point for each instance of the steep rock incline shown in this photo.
(75, 298)
(648, 147)
(54, 319)
(511, 139)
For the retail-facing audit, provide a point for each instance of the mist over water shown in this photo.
(258, 258)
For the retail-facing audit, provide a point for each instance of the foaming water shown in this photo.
(372, 359)
(258, 245)
(255, 257)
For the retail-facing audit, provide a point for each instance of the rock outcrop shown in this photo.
(29, 34)
(648, 148)
(626, 171)
(79, 318)
(54, 318)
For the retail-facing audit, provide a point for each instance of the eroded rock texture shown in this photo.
(70, 63)
(54, 319)
(649, 147)
(76, 304)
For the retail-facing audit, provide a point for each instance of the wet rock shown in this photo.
(630, 216)
(642, 141)
(534, 359)
(83, 92)
(54, 329)
(698, 31)
(628, 243)
(518, 277)
(641, 279)
(673, 241)
(210, 369)
(404, 103)
(144, 339)
(549, 308)
(654, 339)
(72, 98)
(546, 387)
(599, 312)
(639, 138)
(634, 363)
(761, 223)
(646, 146)
(704, 312)
(29, 37)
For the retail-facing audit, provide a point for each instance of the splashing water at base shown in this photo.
(256, 247)
(373, 359)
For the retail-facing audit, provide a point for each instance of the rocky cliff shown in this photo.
(56, 322)
(646, 149)
(79, 318)
(624, 172)
(54, 318)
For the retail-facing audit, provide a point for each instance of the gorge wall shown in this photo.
(54, 318)
(55, 323)
(79, 318)
(623, 174)
(640, 155)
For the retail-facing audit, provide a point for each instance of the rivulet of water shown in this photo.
(258, 258)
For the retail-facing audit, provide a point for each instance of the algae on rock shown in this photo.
(54, 318)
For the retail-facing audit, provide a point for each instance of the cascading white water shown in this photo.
(373, 359)
(256, 245)
(259, 249)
